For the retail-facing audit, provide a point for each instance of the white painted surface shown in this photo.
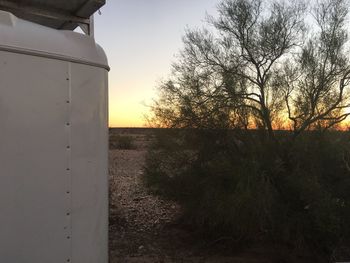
(18, 35)
(53, 154)
(89, 154)
(32, 160)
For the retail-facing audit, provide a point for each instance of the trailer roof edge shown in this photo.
(52, 13)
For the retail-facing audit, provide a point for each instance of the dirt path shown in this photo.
(140, 224)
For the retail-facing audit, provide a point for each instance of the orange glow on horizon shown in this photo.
(124, 115)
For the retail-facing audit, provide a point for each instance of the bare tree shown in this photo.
(236, 62)
(256, 66)
(316, 88)
(259, 37)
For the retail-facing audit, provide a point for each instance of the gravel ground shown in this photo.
(142, 227)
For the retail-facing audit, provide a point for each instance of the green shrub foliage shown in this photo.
(232, 183)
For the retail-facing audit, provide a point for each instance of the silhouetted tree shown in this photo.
(263, 65)
(260, 66)
(315, 84)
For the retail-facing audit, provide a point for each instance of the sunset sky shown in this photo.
(141, 39)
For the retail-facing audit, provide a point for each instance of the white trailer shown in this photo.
(53, 143)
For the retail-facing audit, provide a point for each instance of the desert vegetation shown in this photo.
(251, 146)
(122, 142)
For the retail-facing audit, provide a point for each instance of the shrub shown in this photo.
(235, 184)
(122, 142)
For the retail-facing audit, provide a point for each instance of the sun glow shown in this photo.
(122, 115)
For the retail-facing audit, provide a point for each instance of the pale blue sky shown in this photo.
(141, 38)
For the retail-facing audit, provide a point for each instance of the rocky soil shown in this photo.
(142, 226)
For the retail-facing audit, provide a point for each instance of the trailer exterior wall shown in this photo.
(89, 162)
(53, 151)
